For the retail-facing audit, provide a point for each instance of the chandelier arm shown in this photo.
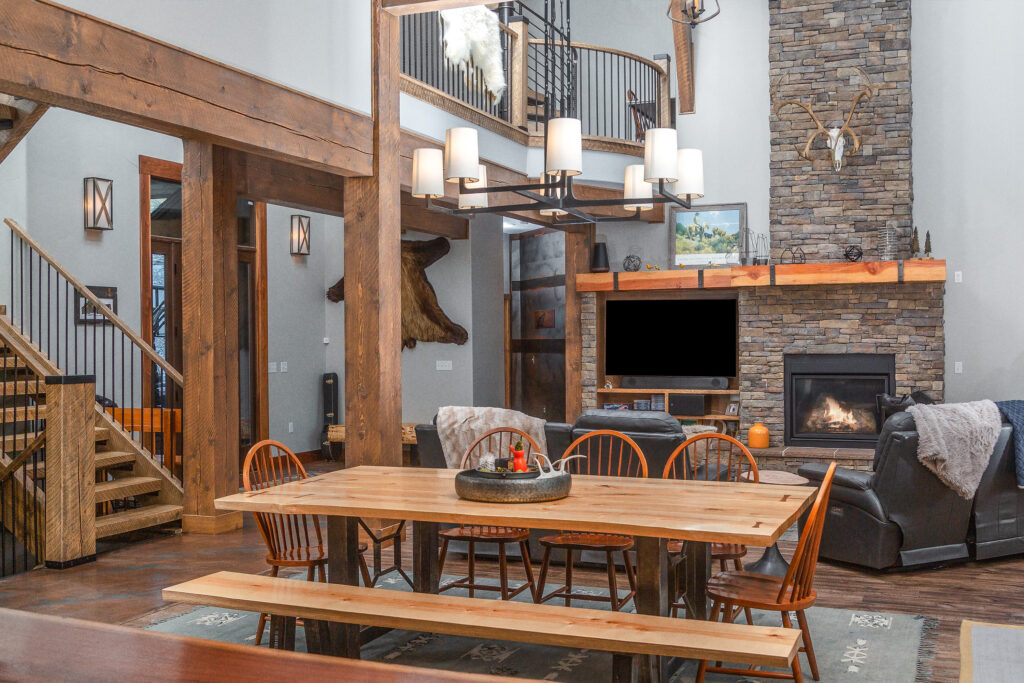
(498, 189)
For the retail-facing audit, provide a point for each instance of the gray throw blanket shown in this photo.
(458, 427)
(955, 441)
(1013, 411)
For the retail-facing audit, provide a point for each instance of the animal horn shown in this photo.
(867, 90)
(780, 104)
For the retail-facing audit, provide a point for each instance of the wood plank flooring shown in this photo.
(124, 584)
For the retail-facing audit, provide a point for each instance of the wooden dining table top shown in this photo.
(724, 512)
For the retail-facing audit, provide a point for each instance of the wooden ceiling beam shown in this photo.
(61, 57)
(23, 114)
(416, 216)
(400, 7)
(277, 182)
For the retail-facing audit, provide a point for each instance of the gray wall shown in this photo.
(967, 185)
(13, 204)
(486, 242)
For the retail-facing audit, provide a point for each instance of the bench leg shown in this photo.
(318, 636)
(622, 668)
(651, 597)
(282, 633)
(697, 571)
(343, 567)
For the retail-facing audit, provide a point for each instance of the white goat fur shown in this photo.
(472, 37)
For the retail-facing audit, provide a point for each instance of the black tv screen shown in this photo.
(670, 337)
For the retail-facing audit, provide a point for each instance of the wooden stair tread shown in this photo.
(104, 459)
(125, 487)
(499, 619)
(139, 518)
(22, 387)
(10, 362)
(23, 413)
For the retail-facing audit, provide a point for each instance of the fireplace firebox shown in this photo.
(830, 399)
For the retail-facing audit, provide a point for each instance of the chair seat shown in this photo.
(493, 534)
(759, 591)
(719, 551)
(303, 556)
(585, 541)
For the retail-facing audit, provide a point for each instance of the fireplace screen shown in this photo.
(831, 399)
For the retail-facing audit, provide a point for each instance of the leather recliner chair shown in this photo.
(900, 515)
(997, 521)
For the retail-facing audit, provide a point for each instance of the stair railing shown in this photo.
(78, 332)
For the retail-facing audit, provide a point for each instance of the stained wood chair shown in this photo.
(709, 457)
(642, 120)
(791, 593)
(292, 540)
(495, 441)
(606, 453)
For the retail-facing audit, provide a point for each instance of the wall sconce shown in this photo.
(99, 204)
(300, 236)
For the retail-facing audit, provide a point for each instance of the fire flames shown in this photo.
(832, 415)
(838, 417)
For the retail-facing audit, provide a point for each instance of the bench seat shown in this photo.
(616, 632)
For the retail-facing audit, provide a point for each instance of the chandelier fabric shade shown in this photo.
(660, 155)
(564, 149)
(428, 173)
(475, 200)
(691, 173)
(637, 188)
(461, 155)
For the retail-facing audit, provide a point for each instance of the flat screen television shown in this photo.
(670, 337)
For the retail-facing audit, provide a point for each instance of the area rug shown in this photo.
(991, 653)
(870, 647)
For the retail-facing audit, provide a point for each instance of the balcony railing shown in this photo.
(616, 95)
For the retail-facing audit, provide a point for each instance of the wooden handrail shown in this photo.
(6, 469)
(610, 50)
(146, 349)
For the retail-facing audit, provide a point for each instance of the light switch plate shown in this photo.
(958, 276)
(284, 366)
(958, 367)
(272, 367)
(444, 365)
(327, 340)
(291, 427)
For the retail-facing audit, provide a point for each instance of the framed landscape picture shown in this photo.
(707, 235)
(88, 314)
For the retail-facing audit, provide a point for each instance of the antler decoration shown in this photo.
(834, 136)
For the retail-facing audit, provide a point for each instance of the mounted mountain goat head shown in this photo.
(834, 137)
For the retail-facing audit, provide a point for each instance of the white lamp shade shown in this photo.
(428, 173)
(660, 156)
(565, 146)
(691, 173)
(637, 187)
(461, 155)
(475, 201)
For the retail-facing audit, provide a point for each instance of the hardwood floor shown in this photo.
(123, 585)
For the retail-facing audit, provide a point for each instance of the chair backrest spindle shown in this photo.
(608, 453)
(711, 457)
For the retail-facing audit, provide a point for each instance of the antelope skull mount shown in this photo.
(835, 138)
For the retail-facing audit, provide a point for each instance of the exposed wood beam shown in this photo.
(577, 260)
(278, 182)
(61, 57)
(24, 114)
(373, 242)
(400, 7)
(682, 35)
(416, 216)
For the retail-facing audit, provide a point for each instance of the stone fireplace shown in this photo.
(830, 398)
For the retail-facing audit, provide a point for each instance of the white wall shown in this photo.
(488, 280)
(14, 205)
(967, 184)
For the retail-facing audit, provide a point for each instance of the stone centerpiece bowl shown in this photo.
(511, 487)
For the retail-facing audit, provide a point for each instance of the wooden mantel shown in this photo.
(869, 272)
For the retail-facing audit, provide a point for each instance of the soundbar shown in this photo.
(654, 382)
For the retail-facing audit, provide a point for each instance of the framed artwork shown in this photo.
(88, 314)
(707, 235)
(732, 409)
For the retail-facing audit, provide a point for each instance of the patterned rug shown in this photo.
(991, 653)
(869, 647)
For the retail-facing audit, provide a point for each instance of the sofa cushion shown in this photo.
(643, 421)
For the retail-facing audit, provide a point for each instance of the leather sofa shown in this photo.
(901, 515)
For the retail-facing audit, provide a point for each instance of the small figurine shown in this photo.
(553, 469)
(915, 244)
(519, 457)
(928, 244)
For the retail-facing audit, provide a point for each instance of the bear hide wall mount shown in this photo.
(422, 317)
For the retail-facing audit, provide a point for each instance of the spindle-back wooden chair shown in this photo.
(709, 457)
(496, 441)
(792, 593)
(606, 453)
(292, 540)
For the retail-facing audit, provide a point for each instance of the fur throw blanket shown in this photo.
(955, 441)
(458, 427)
(472, 38)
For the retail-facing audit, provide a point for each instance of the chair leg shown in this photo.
(444, 556)
(545, 563)
(613, 587)
(310, 572)
(701, 671)
(472, 567)
(264, 617)
(721, 566)
(364, 571)
(503, 571)
(524, 550)
(322, 573)
(568, 577)
(798, 676)
(750, 617)
(808, 647)
(630, 572)
(738, 564)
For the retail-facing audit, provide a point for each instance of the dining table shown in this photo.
(653, 511)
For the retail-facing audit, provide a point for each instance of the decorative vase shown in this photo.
(599, 262)
(758, 436)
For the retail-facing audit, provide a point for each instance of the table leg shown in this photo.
(343, 567)
(697, 571)
(651, 596)
(772, 562)
(425, 573)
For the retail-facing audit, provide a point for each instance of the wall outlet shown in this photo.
(284, 366)
(327, 340)
(958, 367)
(272, 367)
(291, 427)
(444, 365)
(958, 276)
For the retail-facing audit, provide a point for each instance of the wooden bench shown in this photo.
(625, 635)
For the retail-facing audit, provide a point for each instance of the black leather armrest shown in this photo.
(851, 479)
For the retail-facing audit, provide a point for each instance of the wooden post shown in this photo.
(682, 36)
(518, 58)
(210, 338)
(664, 90)
(70, 471)
(577, 260)
(373, 295)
